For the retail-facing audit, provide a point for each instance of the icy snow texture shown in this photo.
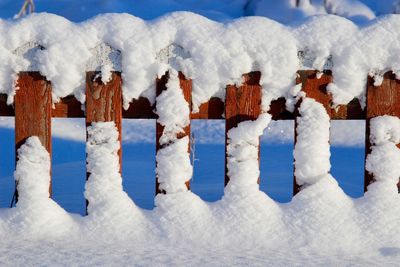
(173, 166)
(320, 226)
(383, 161)
(246, 226)
(172, 109)
(106, 199)
(173, 159)
(35, 211)
(311, 152)
(211, 54)
(242, 152)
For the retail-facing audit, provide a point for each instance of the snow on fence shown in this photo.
(33, 108)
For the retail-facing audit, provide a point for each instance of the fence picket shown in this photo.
(241, 104)
(381, 100)
(315, 88)
(186, 86)
(33, 110)
(104, 102)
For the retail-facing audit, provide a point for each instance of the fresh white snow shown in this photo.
(212, 54)
(320, 226)
(311, 151)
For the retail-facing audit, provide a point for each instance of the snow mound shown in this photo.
(35, 212)
(109, 207)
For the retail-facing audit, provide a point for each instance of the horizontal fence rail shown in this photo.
(33, 108)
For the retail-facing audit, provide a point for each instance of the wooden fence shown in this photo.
(33, 105)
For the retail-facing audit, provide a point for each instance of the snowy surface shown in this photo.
(210, 53)
(311, 152)
(320, 226)
(284, 11)
(202, 50)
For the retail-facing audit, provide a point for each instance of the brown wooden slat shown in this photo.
(68, 107)
(5, 110)
(186, 86)
(278, 110)
(211, 110)
(104, 102)
(33, 110)
(241, 104)
(139, 109)
(316, 88)
(381, 100)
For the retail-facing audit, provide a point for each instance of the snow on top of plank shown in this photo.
(210, 53)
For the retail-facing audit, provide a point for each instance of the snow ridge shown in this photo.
(212, 54)
(320, 223)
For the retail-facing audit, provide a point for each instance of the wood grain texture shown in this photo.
(104, 102)
(186, 86)
(381, 100)
(316, 88)
(211, 110)
(242, 104)
(33, 110)
(141, 108)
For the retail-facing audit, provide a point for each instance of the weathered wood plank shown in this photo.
(314, 88)
(139, 109)
(5, 110)
(241, 104)
(381, 100)
(104, 102)
(33, 110)
(68, 107)
(211, 110)
(186, 86)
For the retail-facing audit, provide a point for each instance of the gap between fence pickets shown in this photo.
(381, 100)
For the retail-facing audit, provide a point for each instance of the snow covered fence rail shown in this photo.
(33, 106)
(112, 73)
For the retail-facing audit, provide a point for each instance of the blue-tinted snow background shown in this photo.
(68, 160)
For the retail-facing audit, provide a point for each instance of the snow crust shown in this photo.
(311, 151)
(242, 150)
(320, 220)
(106, 199)
(212, 54)
(383, 160)
(35, 211)
(320, 226)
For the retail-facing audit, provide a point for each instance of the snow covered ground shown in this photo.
(321, 226)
